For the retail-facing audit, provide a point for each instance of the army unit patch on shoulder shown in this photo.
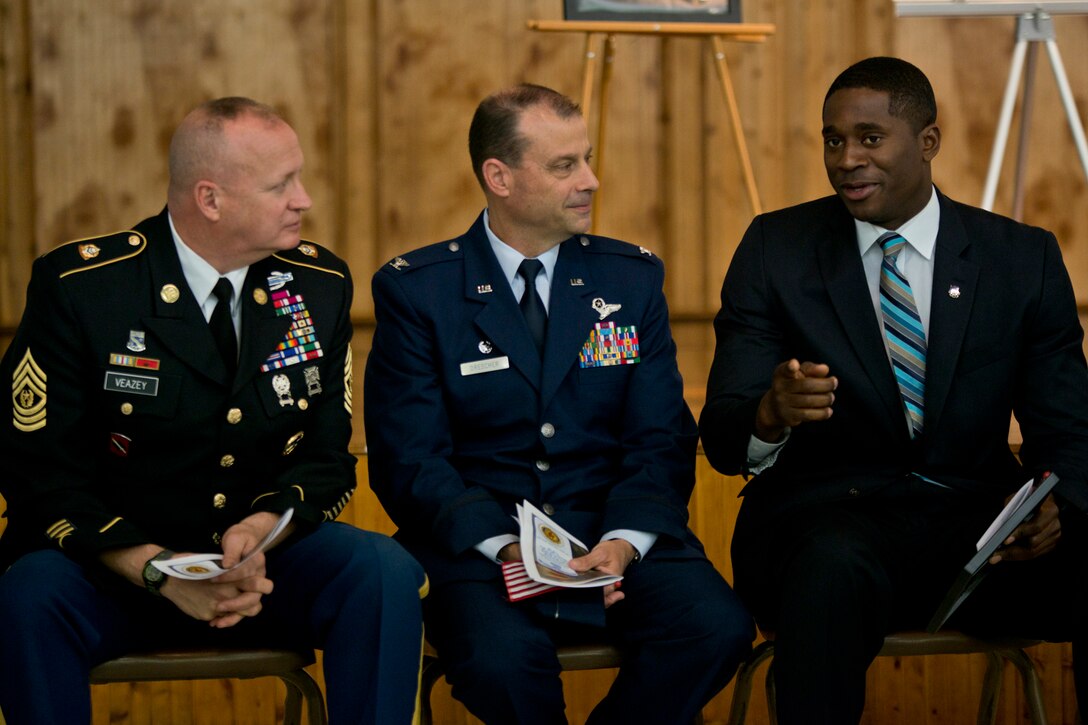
(28, 395)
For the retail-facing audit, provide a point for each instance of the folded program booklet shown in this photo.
(1016, 511)
(546, 550)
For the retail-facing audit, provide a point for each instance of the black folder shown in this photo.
(976, 569)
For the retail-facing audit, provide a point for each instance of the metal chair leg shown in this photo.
(301, 685)
(991, 689)
(1029, 677)
(742, 686)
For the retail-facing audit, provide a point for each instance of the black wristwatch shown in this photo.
(153, 577)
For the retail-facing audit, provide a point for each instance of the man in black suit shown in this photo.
(468, 413)
(141, 423)
(867, 384)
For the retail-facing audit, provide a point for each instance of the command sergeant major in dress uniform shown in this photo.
(137, 429)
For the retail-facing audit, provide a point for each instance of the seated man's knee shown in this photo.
(505, 661)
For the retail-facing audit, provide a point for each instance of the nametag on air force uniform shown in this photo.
(609, 345)
(488, 365)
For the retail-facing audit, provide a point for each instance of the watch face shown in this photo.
(152, 574)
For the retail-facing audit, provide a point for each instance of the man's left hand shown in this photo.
(612, 557)
(1038, 535)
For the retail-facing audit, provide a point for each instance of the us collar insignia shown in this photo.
(399, 263)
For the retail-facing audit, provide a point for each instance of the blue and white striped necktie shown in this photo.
(904, 332)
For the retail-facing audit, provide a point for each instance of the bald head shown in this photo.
(236, 193)
(199, 148)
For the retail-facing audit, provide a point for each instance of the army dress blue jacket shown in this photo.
(125, 427)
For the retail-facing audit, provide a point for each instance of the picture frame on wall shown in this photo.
(658, 11)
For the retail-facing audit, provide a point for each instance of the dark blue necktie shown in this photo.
(222, 325)
(904, 332)
(536, 317)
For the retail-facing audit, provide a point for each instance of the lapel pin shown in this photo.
(312, 376)
(954, 291)
(136, 341)
(281, 384)
(277, 280)
(485, 346)
(604, 309)
(483, 289)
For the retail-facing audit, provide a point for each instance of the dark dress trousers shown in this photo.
(125, 428)
(841, 540)
(465, 419)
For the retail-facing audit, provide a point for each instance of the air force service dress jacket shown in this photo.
(1003, 338)
(465, 419)
(125, 427)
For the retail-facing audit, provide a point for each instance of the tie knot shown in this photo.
(223, 290)
(891, 243)
(529, 269)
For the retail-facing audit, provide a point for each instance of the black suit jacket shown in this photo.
(451, 451)
(1004, 337)
(124, 427)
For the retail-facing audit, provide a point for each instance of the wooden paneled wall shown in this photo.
(381, 93)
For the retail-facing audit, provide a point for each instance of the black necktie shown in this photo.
(222, 325)
(531, 305)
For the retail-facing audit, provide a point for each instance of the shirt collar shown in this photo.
(510, 259)
(201, 276)
(920, 231)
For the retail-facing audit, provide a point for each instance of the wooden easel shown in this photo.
(715, 35)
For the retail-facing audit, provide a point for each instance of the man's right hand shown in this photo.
(800, 392)
(222, 601)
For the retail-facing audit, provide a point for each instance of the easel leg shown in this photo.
(1067, 100)
(588, 71)
(598, 147)
(1003, 124)
(1026, 107)
(718, 54)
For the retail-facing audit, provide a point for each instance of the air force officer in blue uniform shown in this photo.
(468, 413)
